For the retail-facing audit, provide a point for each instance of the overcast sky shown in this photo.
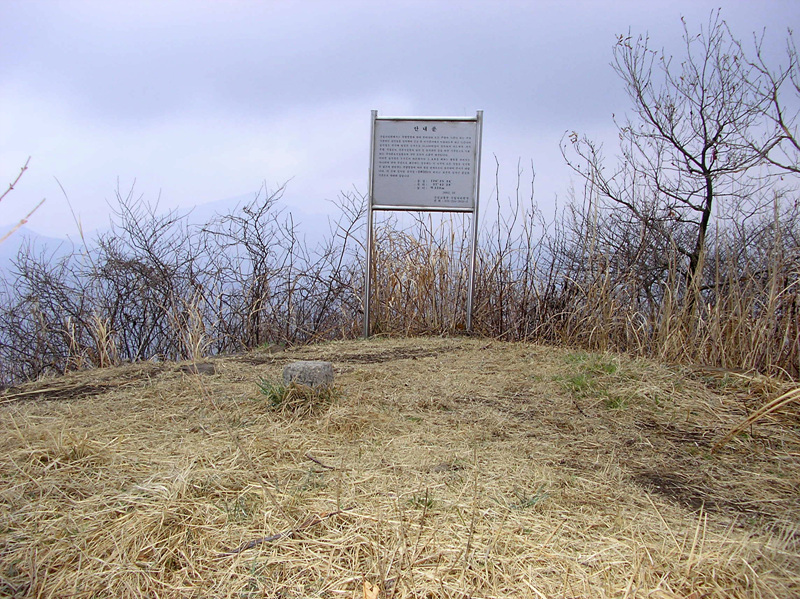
(199, 101)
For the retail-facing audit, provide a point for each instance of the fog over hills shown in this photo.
(54, 247)
(311, 226)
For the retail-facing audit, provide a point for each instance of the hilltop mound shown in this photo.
(445, 467)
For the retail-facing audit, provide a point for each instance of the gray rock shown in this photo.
(206, 368)
(312, 373)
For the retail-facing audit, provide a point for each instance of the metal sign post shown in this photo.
(424, 163)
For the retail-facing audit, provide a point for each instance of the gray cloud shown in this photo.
(203, 100)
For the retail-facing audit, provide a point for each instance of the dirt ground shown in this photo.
(443, 467)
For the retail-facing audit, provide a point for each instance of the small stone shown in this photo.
(206, 368)
(312, 373)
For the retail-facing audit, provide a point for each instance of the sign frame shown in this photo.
(434, 168)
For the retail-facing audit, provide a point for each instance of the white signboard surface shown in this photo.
(424, 164)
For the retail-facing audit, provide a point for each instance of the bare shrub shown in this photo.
(154, 287)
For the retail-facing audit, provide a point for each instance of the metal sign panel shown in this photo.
(424, 163)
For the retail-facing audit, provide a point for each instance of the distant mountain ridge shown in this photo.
(10, 248)
(309, 225)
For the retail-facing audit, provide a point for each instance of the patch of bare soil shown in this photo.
(444, 468)
(389, 355)
(84, 384)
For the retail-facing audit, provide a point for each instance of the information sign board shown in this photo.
(424, 164)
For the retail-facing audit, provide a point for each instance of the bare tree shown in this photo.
(690, 139)
(780, 87)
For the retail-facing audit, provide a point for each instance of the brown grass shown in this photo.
(446, 468)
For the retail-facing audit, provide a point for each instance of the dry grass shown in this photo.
(446, 468)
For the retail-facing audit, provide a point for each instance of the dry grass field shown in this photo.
(444, 467)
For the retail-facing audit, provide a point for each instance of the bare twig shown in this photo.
(11, 186)
(15, 181)
(21, 223)
(316, 461)
(307, 523)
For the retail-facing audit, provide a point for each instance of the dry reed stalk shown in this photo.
(190, 327)
(104, 341)
(75, 353)
(776, 404)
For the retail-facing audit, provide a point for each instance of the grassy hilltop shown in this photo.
(445, 467)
